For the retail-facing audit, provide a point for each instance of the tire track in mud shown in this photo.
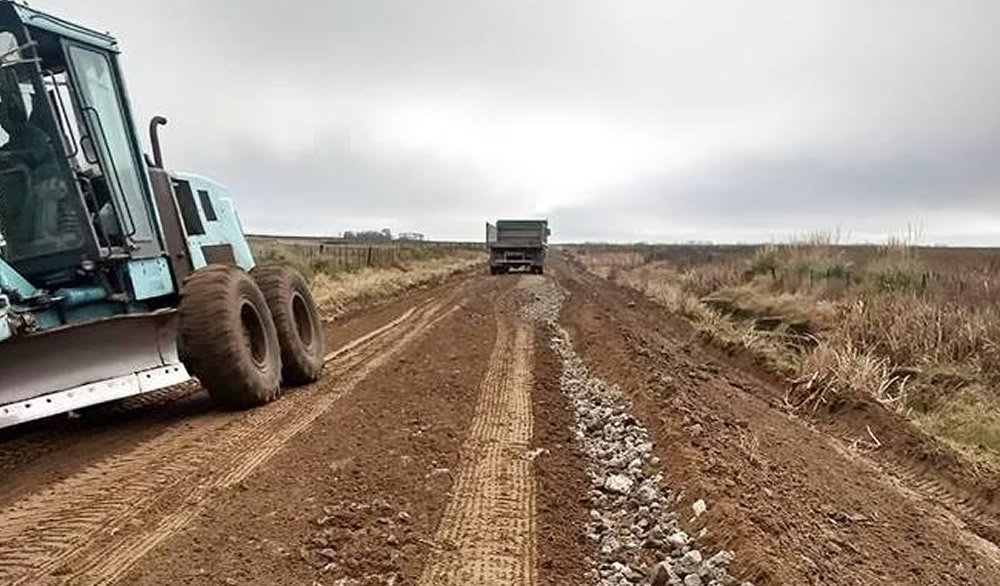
(91, 527)
(141, 417)
(148, 401)
(487, 534)
(978, 514)
(973, 525)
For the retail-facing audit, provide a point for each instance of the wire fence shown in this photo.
(346, 256)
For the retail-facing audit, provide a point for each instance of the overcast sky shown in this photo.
(619, 120)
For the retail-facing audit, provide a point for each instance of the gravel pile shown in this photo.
(635, 532)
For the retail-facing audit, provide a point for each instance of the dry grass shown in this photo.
(672, 290)
(312, 258)
(335, 292)
(609, 264)
(341, 276)
(917, 330)
(969, 420)
(834, 369)
(661, 284)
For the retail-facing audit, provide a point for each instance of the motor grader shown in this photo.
(117, 276)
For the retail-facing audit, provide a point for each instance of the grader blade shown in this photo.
(59, 370)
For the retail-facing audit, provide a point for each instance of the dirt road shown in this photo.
(516, 430)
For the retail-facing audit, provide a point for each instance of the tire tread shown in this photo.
(212, 342)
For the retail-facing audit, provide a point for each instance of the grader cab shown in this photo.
(118, 277)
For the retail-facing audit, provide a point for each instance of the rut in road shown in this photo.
(91, 527)
(487, 534)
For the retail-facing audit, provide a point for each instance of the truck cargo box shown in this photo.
(517, 244)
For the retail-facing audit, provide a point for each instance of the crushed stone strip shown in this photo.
(633, 527)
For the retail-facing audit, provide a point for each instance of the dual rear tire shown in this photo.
(244, 334)
(296, 319)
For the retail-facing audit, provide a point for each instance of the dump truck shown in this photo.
(117, 276)
(516, 245)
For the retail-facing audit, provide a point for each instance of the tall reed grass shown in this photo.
(915, 329)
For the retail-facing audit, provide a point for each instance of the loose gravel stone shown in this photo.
(663, 575)
(690, 563)
(630, 506)
(678, 539)
(619, 483)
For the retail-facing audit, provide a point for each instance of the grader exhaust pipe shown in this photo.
(154, 139)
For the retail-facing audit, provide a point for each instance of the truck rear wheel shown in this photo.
(300, 331)
(227, 337)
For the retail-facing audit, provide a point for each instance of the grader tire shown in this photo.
(227, 337)
(300, 330)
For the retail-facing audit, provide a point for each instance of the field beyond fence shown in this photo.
(345, 274)
(324, 255)
(915, 329)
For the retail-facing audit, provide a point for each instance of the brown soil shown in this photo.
(349, 481)
(487, 534)
(799, 506)
(46, 451)
(359, 320)
(358, 494)
(562, 505)
(348, 478)
(969, 488)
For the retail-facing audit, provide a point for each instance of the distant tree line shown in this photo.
(383, 235)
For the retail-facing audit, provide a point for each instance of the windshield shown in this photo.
(99, 95)
(38, 215)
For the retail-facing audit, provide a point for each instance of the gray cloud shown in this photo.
(621, 120)
(334, 185)
(741, 199)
